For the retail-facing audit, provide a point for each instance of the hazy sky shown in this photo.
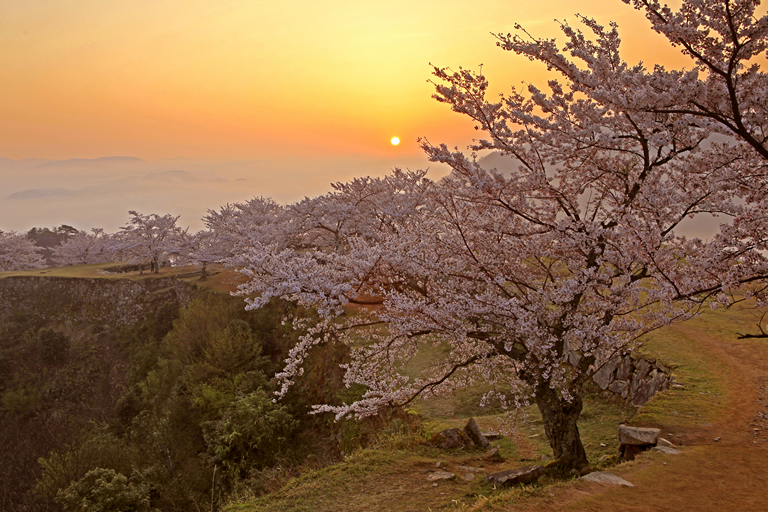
(258, 98)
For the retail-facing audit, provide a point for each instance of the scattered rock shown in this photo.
(471, 469)
(492, 436)
(717, 439)
(440, 475)
(456, 438)
(451, 438)
(603, 477)
(468, 477)
(525, 475)
(495, 455)
(473, 431)
(667, 450)
(666, 442)
(439, 464)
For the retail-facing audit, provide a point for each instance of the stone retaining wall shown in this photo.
(74, 300)
(633, 378)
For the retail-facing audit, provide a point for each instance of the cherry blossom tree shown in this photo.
(234, 224)
(148, 238)
(531, 280)
(204, 249)
(18, 252)
(84, 248)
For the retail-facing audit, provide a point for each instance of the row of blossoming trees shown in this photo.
(530, 280)
(146, 239)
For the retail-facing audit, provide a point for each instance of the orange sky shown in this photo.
(224, 100)
(228, 79)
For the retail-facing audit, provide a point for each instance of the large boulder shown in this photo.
(638, 435)
(451, 439)
(524, 475)
(633, 440)
(456, 438)
(473, 431)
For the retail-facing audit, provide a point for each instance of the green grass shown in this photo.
(703, 393)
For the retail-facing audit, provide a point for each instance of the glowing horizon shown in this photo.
(226, 100)
(243, 79)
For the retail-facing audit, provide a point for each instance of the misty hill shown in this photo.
(88, 162)
(38, 193)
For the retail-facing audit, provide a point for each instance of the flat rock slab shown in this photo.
(638, 435)
(667, 450)
(602, 477)
(440, 475)
(525, 475)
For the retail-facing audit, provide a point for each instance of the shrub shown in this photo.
(104, 490)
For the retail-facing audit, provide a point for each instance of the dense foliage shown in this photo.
(172, 413)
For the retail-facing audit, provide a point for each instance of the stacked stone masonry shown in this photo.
(633, 378)
(74, 300)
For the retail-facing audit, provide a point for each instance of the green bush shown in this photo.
(253, 433)
(104, 490)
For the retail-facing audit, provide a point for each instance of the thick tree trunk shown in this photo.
(560, 418)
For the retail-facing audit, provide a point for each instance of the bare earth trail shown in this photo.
(729, 474)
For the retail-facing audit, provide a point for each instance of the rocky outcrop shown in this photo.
(633, 378)
(456, 438)
(91, 300)
(473, 431)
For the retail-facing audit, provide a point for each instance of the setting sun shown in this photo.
(395, 141)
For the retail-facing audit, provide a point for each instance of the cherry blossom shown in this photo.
(530, 280)
(17, 252)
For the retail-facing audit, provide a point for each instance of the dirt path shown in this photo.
(730, 474)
